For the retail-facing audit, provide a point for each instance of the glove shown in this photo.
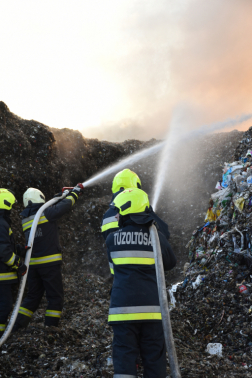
(22, 269)
(57, 195)
(19, 267)
(21, 250)
(78, 189)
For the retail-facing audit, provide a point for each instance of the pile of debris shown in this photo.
(33, 154)
(215, 298)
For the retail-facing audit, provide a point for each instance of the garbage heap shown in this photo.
(215, 298)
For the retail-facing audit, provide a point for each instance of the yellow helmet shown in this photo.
(125, 179)
(7, 199)
(131, 201)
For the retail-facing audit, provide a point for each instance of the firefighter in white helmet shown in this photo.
(44, 273)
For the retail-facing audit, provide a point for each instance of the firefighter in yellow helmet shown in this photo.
(123, 180)
(10, 264)
(134, 311)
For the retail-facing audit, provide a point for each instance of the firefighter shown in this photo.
(10, 265)
(123, 180)
(44, 273)
(134, 312)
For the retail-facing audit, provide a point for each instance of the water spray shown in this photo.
(123, 163)
(175, 138)
(129, 160)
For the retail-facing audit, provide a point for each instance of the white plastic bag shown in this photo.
(214, 348)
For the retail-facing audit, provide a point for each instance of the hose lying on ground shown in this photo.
(162, 293)
(27, 260)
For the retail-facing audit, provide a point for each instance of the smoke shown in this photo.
(194, 52)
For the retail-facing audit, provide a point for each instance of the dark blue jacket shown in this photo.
(109, 222)
(7, 250)
(134, 294)
(46, 247)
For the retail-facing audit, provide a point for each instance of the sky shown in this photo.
(120, 69)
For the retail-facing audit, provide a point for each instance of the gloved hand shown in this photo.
(19, 267)
(21, 250)
(57, 195)
(22, 269)
(78, 189)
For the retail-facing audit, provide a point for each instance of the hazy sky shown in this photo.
(119, 68)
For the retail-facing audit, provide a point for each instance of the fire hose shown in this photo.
(160, 281)
(27, 260)
(162, 293)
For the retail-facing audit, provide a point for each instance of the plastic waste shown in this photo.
(185, 282)
(197, 282)
(236, 247)
(241, 183)
(249, 180)
(239, 203)
(78, 366)
(214, 349)
(109, 361)
(243, 290)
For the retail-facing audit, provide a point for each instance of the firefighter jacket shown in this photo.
(7, 250)
(46, 248)
(134, 294)
(109, 222)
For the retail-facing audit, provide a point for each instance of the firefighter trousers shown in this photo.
(42, 279)
(5, 304)
(146, 338)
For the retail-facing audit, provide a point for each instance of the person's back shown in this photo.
(131, 253)
(46, 248)
(134, 312)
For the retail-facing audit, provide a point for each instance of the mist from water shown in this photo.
(175, 139)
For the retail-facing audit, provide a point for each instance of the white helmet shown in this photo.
(33, 195)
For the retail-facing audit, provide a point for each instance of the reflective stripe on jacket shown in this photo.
(46, 247)
(134, 294)
(109, 223)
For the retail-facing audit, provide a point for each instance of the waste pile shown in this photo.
(33, 154)
(215, 297)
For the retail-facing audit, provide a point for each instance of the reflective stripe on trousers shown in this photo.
(2, 327)
(134, 313)
(53, 313)
(25, 311)
(45, 259)
(124, 376)
(133, 257)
